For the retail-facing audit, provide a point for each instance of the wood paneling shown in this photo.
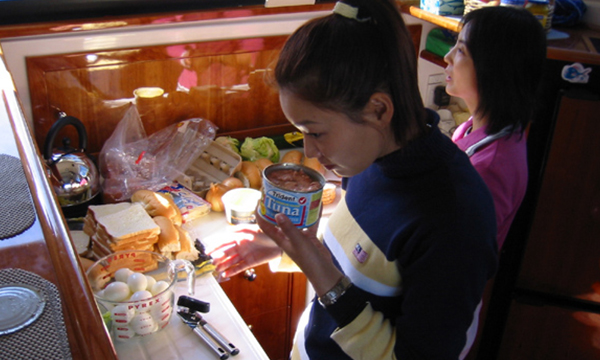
(271, 305)
(564, 233)
(222, 81)
(173, 17)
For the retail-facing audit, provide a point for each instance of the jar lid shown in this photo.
(21, 305)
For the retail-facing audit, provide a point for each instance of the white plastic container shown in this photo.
(240, 205)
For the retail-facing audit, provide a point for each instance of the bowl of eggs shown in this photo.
(134, 290)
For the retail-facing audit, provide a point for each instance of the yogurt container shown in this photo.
(294, 190)
(240, 205)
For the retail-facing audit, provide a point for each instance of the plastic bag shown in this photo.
(130, 160)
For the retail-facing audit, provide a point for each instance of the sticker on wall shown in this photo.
(576, 73)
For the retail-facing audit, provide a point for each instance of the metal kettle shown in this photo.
(73, 175)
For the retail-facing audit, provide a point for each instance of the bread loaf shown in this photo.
(188, 250)
(314, 164)
(168, 239)
(85, 263)
(158, 204)
(292, 157)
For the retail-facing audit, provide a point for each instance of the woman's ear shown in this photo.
(379, 109)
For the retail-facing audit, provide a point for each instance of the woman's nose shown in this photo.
(309, 148)
(448, 56)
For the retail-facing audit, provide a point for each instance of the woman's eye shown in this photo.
(314, 135)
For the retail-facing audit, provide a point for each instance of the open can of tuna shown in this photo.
(293, 190)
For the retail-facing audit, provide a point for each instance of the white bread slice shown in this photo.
(101, 232)
(127, 223)
(95, 212)
(142, 244)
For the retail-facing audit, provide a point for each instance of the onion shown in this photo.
(262, 163)
(252, 173)
(214, 195)
(232, 182)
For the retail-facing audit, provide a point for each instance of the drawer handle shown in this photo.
(249, 275)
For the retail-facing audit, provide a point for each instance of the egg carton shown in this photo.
(214, 165)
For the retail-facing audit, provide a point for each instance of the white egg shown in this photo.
(143, 324)
(151, 282)
(160, 286)
(122, 274)
(122, 314)
(116, 291)
(123, 332)
(162, 309)
(140, 295)
(137, 282)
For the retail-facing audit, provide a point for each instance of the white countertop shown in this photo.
(178, 341)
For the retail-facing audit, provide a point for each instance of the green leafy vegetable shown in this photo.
(229, 142)
(263, 147)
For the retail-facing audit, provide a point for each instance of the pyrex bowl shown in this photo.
(147, 312)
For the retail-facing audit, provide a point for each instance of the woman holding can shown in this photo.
(400, 267)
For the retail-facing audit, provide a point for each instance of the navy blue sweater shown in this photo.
(416, 234)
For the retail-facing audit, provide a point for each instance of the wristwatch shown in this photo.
(333, 295)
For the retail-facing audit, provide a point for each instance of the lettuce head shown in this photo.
(263, 147)
(229, 142)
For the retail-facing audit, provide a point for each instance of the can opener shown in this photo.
(189, 310)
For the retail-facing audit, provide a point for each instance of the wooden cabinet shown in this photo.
(221, 81)
(271, 305)
(546, 299)
(554, 314)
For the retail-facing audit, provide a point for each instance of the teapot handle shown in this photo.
(57, 126)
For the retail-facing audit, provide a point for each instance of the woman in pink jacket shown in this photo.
(496, 67)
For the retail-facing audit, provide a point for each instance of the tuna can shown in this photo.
(294, 190)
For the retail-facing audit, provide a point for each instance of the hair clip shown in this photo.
(348, 11)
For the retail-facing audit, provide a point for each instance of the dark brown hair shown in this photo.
(508, 48)
(337, 63)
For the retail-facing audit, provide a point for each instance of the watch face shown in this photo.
(330, 297)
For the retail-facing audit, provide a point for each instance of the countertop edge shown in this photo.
(84, 317)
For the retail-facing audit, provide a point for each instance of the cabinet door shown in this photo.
(222, 81)
(562, 255)
(271, 305)
(563, 251)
